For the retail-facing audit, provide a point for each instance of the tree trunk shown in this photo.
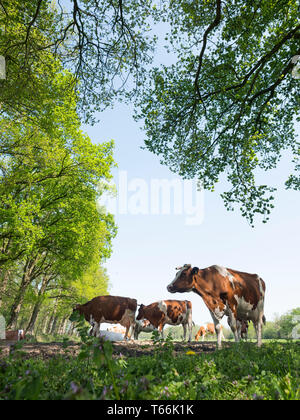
(49, 326)
(27, 278)
(3, 285)
(54, 326)
(45, 325)
(63, 326)
(71, 330)
(38, 304)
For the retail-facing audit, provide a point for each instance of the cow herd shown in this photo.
(225, 292)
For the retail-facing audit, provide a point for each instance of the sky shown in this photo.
(149, 246)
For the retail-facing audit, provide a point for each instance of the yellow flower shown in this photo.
(190, 352)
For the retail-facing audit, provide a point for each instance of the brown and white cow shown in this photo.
(208, 328)
(238, 295)
(16, 335)
(172, 312)
(143, 325)
(110, 309)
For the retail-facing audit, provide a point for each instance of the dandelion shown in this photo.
(190, 352)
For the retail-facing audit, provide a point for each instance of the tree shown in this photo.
(51, 175)
(104, 43)
(288, 322)
(229, 103)
(61, 208)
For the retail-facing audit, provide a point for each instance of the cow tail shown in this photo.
(264, 320)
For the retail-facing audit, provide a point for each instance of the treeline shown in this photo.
(286, 326)
(53, 237)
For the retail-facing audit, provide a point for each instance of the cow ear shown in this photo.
(195, 270)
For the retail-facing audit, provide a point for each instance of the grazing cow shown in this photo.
(17, 335)
(238, 295)
(172, 312)
(110, 309)
(207, 329)
(143, 325)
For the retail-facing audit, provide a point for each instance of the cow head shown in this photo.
(184, 280)
(141, 313)
(75, 313)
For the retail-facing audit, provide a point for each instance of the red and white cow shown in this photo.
(238, 295)
(208, 328)
(16, 335)
(109, 309)
(143, 325)
(172, 312)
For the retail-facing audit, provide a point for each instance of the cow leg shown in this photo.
(126, 332)
(132, 329)
(184, 332)
(239, 329)
(130, 332)
(222, 334)
(161, 330)
(190, 326)
(136, 331)
(258, 330)
(203, 336)
(218, 328)
(233, 322)
(96, 330)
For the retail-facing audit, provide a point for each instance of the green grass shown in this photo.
(242, 371)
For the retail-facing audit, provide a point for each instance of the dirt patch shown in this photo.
(40, 350)
(145, 348)
(127, 349)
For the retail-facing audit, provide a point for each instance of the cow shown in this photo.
(208, 328)
(172, 312)
(16, 335)
(236, 294)
(110, 309)
(143, 325)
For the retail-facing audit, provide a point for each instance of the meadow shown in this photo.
(99, 371)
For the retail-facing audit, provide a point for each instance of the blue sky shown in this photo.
(149, 247)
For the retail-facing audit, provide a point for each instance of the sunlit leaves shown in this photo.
(227, 107)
